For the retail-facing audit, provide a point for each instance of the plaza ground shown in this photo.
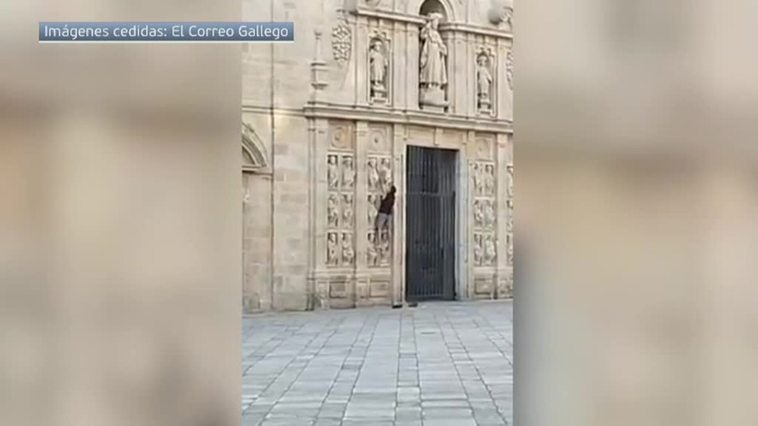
(442, 363)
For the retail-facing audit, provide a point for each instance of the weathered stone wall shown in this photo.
(335, 112)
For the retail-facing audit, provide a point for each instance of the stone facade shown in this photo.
(326, 124)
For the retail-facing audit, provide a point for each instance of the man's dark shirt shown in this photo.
(387, 203)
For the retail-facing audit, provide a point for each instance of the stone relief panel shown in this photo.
(342, 42)
(340, 199)
(485, 82)
(379, 182)
(484, 197)
(379, 67)
(509, 68)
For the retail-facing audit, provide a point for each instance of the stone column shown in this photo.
(361, 210)
(502, 208)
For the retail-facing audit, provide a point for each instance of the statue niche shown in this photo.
(378, 61)
(483, 83)
(433, 64)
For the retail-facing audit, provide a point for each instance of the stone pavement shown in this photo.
(442, 363)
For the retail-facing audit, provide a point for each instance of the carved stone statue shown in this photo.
(490, 253)
(333, 211)
(348, 172)
(373, 175)
(478, 249)
(477, 172)
(333, 175)
(433, 61)
(347, 210)
(373, 210)
(371, 255)
(348, 254)
(489, 179)
(378, 64)
(478, 214)
(332, 249)
(385, 175)
(483, 84)
(489, 214)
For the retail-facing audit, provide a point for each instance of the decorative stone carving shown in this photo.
(348, 253)
(489, 180)
(488, 214)
(332, 249)
(490, 253)
(347, 210)
(501, 12)
(378, 182)
(372, 258)
(342, 137)
(342, 42)
(478, 250)
(333, 211)
(484, 83)
(385, 175)
(348, 172)
(379, 139)
(378, 66)
(333, 175)
(433, 64)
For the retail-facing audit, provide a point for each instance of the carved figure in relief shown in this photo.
(385, 175)
(490, 253)
(433, 72)
(373, 175)
(489, 214)
(371, 252)
(509, 250)
(348, 254)
(373, 208)
(478, 249)
(489, 179)
(478, 214)
(348, 172)
(378, 64)
(509, 169)
(483, 83)
(333, 211)
(383, 250)
(477, 173)
(347, 210)
(333, 175)
(332, 250)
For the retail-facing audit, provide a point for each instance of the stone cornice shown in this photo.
(476, 30)
(418, 118)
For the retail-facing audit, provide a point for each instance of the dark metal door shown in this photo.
(430, 224)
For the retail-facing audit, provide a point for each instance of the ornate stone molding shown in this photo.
(342, 41)
(254, 154)
(420, 118)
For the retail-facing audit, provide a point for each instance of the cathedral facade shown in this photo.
(415, 94)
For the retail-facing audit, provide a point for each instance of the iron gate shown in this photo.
(430, 224)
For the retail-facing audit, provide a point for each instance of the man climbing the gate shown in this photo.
(384, 218)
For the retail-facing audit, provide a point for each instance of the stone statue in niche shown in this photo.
(333, 211)
(483, 83)
(332, 250)
(489, 179)
(347, 210)
(378, 65)
(348, 254)
(385, 175)
(333, 175)
(478, 249)
(348, 172)
(371, 254)
(433, 64)
(490, 253)
(373, 175)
